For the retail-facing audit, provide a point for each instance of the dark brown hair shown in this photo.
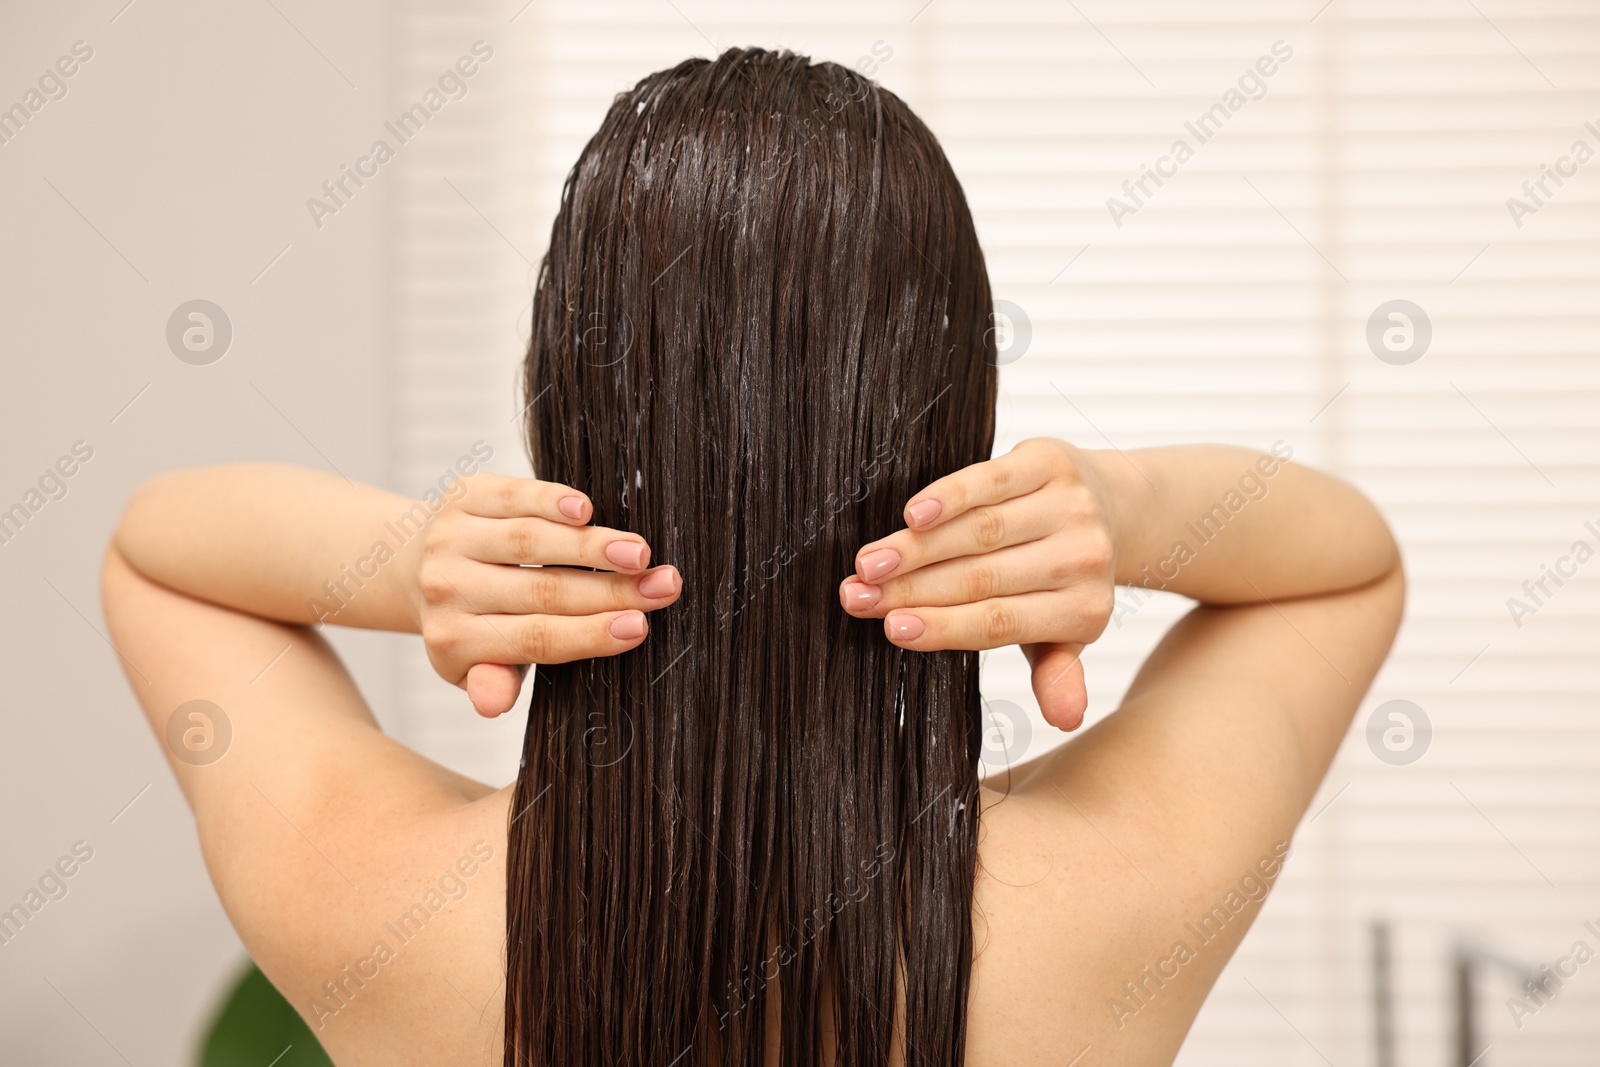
(763, 323)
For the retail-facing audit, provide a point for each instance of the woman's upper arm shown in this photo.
(1267, 684)
(284, 766)
(1226, 732)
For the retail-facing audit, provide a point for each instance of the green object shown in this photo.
(256, 1024)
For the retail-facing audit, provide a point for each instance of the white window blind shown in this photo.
(1229, 302)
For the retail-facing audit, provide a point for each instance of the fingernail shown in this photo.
(859, 597)
(629, 554)
(875, 565)
(923, 512)
(571, 506)
(905, 627)
(659, 583)
(627, 627)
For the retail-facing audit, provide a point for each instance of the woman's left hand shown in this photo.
(1016, 550)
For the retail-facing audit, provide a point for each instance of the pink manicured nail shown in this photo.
(659, 583)
(859, 597)
(571, 506)
(629, 554)
(905, 627)
(875, 565)
(923, 512)
(627, 627)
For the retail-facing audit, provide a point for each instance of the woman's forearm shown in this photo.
(283, 542)
(1229, 525)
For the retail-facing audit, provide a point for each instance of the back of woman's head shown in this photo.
(761, 326)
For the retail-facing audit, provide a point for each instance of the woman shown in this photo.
(748, 825)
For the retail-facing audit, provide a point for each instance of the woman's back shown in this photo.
(762, 350)
(1116, 874)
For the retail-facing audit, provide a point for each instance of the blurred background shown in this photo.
(1369, 231)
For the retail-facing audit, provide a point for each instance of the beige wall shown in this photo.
(176, 167)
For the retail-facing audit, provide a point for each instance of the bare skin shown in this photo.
(1096, 860)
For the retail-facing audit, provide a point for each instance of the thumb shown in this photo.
(493, 688)
(1058, 683)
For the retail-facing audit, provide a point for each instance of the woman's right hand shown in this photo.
(1016, 550)
(496, 586)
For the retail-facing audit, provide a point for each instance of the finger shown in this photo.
(1014, 620)
(497, 589)
(1027, 568)
(1017, 473)
(981, 530)
(493, 688)
(495, 496)
(542, 542)
(552, 638)
(1058, 683)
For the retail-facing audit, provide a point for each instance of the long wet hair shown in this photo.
(763, 323)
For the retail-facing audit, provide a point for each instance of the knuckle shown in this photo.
(546, 593)
(1040, 448)
(436, 588)
(989, 528)
(999, 623)
(443, 641)
(983, 582)
(592, 542)
(436, 535)
(524, 542)
(505, 496)
(1079, 499)
(1000, 480)
(620, 594)
(1097, 552)
(536, 642)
